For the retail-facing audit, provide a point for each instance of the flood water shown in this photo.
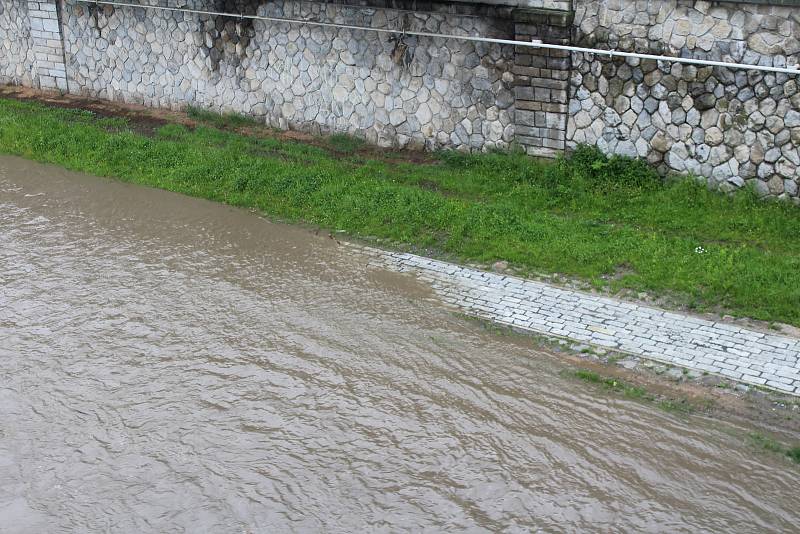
(174, 365)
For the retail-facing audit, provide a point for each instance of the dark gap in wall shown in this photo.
(227, 37)
(404, 45)
(94, 11)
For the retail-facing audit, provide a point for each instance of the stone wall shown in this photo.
(16, 45)
(542, 81)
(394, 91)
(731, 126)
(47, 45)
(31, 51)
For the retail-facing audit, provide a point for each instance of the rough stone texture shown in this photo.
(419, 92)
(719, 348)
(31, 52)
(17, 57)
(732, 127)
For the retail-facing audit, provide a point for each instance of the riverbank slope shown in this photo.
(609, 225)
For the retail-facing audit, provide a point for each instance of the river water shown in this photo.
(173, 365)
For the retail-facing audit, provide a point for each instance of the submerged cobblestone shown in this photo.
(742, 354)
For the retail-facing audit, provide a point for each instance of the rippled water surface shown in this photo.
(174, 365)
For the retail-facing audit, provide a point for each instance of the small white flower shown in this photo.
(699, 250)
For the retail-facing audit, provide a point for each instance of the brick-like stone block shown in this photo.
(541, 84)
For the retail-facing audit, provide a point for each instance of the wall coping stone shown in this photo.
(496, 8)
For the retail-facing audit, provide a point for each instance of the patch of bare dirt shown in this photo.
(708, 395)
(712, 397)
(147, 121)
(141, 119)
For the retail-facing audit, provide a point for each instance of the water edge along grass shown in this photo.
(610, 221)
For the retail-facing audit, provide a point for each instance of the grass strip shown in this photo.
(610, 221)
(631, 391)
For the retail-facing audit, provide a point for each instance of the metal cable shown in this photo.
(531, 44)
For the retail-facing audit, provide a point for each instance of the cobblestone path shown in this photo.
(719, 348)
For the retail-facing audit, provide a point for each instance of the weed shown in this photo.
(220, 120)
(765, 442)
(681, 406)
(112, 123)
(614, 384)
(344, 143)
(588, 376)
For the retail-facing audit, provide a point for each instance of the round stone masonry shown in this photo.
(729, 127)
(17, 54)
(394, 91)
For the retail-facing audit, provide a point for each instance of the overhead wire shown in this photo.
(406, 32)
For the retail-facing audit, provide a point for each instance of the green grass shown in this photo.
(681, 406)
(220, 120)
(345, 143)
(613, 384)
(769, 444)
(611, 222)
(765, 442)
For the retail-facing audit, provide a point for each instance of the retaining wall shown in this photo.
(732, 127)
(16, 47)
(31, 52)
(394, 91)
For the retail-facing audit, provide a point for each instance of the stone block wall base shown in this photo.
(391, 90)
(541, 81)
(47, 44)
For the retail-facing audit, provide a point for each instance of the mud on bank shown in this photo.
(758, 413)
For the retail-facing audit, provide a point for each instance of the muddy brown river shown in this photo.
(173, 365)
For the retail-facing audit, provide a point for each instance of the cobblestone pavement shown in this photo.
(719, 348)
